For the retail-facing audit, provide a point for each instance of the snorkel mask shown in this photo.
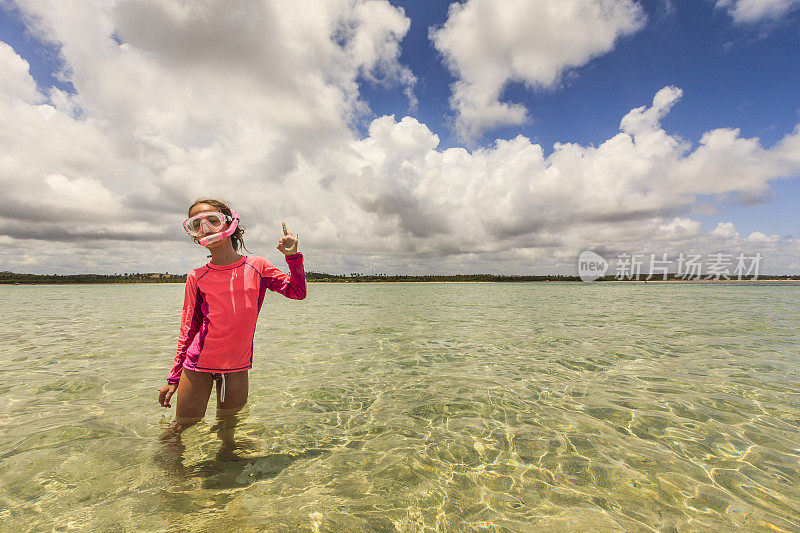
(211, 221)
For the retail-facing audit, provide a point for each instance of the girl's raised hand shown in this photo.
(288, 243)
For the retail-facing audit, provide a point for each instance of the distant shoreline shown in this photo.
(643, 282)
(13, 278)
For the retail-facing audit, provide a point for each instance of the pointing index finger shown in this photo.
(284, 229)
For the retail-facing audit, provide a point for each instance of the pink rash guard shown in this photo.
(220, 309)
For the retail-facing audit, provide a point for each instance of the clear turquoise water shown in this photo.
(413, 407)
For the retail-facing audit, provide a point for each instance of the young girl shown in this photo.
(220, 309)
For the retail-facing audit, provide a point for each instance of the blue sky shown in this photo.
(42, 57)
(733, 72)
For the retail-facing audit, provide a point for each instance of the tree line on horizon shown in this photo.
(321, 277)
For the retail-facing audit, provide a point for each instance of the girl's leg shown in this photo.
(194, 390)
(236, 389)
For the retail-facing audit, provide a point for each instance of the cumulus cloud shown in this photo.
(679, 228)
(753, 11)
(487, 44)
(725, 229)
(176, 101)
(257, 104)
(16, 83)
(511, 202)
(373, 31)
(757, 236)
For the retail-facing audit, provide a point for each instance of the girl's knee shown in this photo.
(183, 422)
(227, 412)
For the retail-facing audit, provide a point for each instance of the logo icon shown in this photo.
(591, 266)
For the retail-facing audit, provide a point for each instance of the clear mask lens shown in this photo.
(212, 220)
(204, 223)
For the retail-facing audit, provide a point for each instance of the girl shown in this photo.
(220, 309)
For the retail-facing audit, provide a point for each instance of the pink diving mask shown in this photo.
(213, 222)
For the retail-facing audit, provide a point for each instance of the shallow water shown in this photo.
(413, 407)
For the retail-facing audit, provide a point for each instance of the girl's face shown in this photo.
(202, 208)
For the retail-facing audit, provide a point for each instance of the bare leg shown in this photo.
(193, 392)
(194, 389)
(236, 389)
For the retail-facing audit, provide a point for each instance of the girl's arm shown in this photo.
(292, 286)
(191, 320)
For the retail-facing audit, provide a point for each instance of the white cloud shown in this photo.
(509, 198)
(372, 31)
(753, 11)
(725, 229)
(173, 102)
(16, 84)
(680, 228)
(757, 236)
(85, 194)
(487, 44)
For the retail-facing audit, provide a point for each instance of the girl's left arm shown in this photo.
(292, 286)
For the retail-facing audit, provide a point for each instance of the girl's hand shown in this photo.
(165, 393)
(288, 243)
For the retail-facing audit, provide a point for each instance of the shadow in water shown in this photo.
(234, 465)
(228, 470)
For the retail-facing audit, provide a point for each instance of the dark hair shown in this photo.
(237, 239)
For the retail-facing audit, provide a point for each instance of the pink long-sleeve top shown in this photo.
(220, 310)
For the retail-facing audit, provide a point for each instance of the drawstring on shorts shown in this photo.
(221, 376)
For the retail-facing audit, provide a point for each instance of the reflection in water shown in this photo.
(171, 454)
(236, 462)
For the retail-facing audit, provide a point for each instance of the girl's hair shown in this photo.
(237, 239)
